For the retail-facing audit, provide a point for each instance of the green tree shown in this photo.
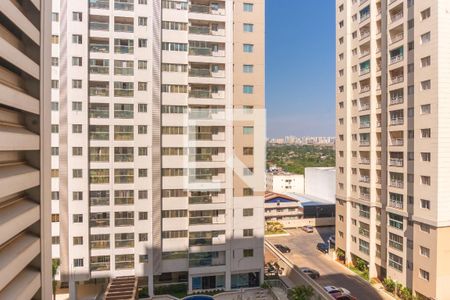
(55, 266)
(301, 293)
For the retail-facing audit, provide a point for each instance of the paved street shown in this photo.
(304, 254)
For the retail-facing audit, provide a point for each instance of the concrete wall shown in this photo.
(285, 183)
(321, 182)
(313, 222)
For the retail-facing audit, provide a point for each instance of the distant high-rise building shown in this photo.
(25, 244)
(158, 124)
(393, 209)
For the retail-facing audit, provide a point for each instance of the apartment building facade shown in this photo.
(391, 150)
(25, 248)
(158, 108)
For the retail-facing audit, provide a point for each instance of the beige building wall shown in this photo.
(392, 64)
(25, 253)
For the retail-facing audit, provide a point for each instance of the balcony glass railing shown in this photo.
(123, 157)
(364, 178)
(200, 51)
(123, 222)
(123, 49)
(99, 91)
(396, 204)
(397, 121)
(396, 16)
(128, 6)
(365, 88)
(123, 71)
(99, 136)
(98, 113)
(397, 142)
(397, 79)
(123, 27)
(200, 94)
(123, 93)
(98, 70)
(99, 4)
(99, 222)
(199, 30)
(396, 162)
(100, 48)
(396, 183)
(200, 9)
(99, 244)
(396, 58)
(364, 125)
(396, 99)
(103, 26)
(364, 214)
(364, 107)
(397, 37)
(98, 201)
(200, 72)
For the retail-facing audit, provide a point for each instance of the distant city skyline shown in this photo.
(300, 73)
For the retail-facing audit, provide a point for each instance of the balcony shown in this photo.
(204, 114)
(103, 26)
(397, 79)
(126, 5)
(364, 71)
(364, 17)
(364, 214)
(119, 222)
(397, 16)
(364, 125)
(206, 9)
(364, 232)
(364, 196)
(99, 89)
(364, 34)
(202, 94)
(364, 178)
(397, 37)
(200, 51)
(397, 121)
(396, 99)
(123, 49)
(200, 30)
(398, 204)
(364, 143)
(364, 161)
(365, 88)
(397, 141)
(99, 4)
(397, 183)
(396, 59)
(364, 106)
(196, 72)
(99, 47)
(123, 27)
(123, 92)
(396, 162)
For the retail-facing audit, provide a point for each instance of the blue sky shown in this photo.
(300, 76)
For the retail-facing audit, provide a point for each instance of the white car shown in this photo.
(331, 289)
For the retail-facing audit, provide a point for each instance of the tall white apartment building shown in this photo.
(158, 142)
(25, 248)
(393, 62)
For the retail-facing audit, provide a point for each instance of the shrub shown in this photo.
(361, 264)
(406, 294)
(389, 284)
(301, 293)
(340, 254)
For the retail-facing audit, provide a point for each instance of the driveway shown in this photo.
(304, 254)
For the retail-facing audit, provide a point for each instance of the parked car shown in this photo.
(282, 248)
(322, 247)
(336, 291)
(310, 272)
(343, 297)
(308, 228)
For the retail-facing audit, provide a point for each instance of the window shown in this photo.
(77, 128)
(425, 38)
(78, 262)
(248, 232)
(77, 61)
(425, 109)
(76, 84)
(247, 212)
(76, 106)
(143, 215)
(55, 240)
(425, 14)
(248, 89)
(55, 17)
(248, 151)
(142, 172)
(248, 27)
(55, 218)
(77, 196)
(144, 2)
(425, 133)
(248, 48)
(142, 108)
(395, 241)
(248, 7)
(248, 192)
(142, 43)
(425, 227)
(248, 109)
(425, 61)
(425, 85)
(143, 258)
(55, 61)
(55, 84)
(425, 180)
(424, 251)
(248, 252)
(55, 195)
(424, 275)
(395, 262)
(426, 156)
(142, 194)
(77, 218)
(142, 86)
(77, 16)
(77, 39)
(143, 237)
(77, 173)
(142, 64)
(248, 68)
(396, 221)
(78, 240)
(55, 39)
(142, 129)
(55, 151)
(248, 171)
(247, 130)
(77, 151)
(142, 21)
(142, 151)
